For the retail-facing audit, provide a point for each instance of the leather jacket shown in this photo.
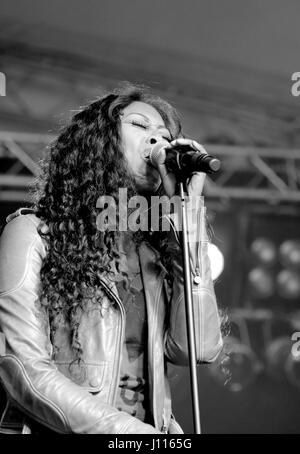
(49, 390)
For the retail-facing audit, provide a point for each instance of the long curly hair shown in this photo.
(83, 163)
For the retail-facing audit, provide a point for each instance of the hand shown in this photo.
(196, 181)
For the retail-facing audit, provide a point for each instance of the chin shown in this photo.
(147, 187)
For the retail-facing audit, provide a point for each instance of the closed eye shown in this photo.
(141, 125)
(145, 126)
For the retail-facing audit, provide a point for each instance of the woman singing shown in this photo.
(91, 317)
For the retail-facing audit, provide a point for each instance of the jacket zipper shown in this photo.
(199, 243)
(152, 349)
(198, 265)
(164, 428)
(122, 311)
(197, 270)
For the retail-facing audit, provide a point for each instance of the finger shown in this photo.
(168, 179)
(196, 183)
(197, 146)
(169, 183)
(192, 143)
(181, 141)
(160, 159)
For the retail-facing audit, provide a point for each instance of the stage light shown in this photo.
(261, 282)
(216, 260)
(264, 251)
(289, 253)
(288, 284)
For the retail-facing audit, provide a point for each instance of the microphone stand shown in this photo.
(189, 312)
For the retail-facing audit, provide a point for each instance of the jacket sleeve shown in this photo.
(208, 335)
(29, 377)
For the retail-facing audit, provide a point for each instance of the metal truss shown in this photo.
(268, 176)
(43, 85)
(41, 91)
(259, 174)
(19, 157)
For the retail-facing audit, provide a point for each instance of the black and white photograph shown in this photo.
(149, 220)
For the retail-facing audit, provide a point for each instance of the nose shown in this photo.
(154, 139)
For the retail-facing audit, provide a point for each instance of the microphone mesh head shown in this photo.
(157, 155)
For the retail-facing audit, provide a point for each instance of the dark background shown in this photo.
(227, 67)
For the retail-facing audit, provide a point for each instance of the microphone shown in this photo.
(182, 159)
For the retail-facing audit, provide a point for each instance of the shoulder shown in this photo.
(21, 248)
(21, 225)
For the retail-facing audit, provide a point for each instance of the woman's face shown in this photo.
(140, 123)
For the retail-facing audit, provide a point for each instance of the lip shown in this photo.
(146, 154)
(146, 158)
(149, 164)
